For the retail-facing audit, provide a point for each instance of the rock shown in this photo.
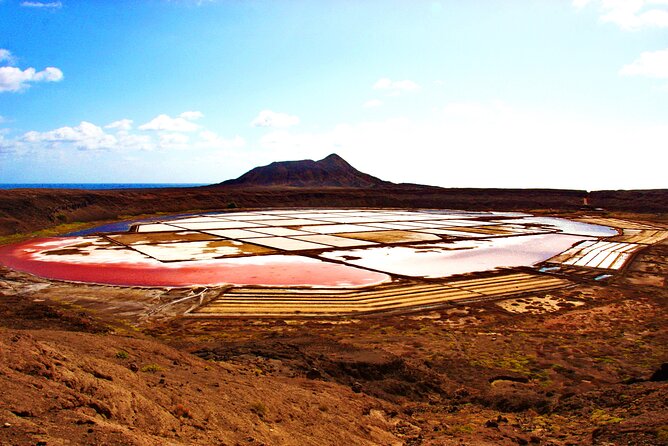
(661, 374)
(356, 387)
(491, 424)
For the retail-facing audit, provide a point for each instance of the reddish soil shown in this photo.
(97, 365)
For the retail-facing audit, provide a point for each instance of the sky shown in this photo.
(554, 94)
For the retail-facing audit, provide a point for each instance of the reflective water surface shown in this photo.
(459, 257)
(309, 247)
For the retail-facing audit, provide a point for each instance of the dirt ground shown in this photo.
(96, 365)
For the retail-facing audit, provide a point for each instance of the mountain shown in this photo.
(332, 171)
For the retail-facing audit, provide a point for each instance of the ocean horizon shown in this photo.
(97, 186)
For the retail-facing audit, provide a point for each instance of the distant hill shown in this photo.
(332, 171)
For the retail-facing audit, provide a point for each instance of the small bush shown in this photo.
(122, 354)
(151, 368)
(599, 416)
(259, 409)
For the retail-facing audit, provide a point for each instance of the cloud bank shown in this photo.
(652, 64)
(14, 79)
(42, 5)
(161, 133)
(630, 14)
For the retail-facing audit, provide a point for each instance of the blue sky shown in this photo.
(561, 94)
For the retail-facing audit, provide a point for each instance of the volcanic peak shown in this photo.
(331, 171)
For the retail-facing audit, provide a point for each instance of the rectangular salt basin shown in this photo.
(296, 222)
(392, 236)
(234, 233)
(157, 227)
(88, 250)
(333, 229)
(199, 219)
(152, 238)
(318, 215)
(447, 232)
(286, 244)
(222, 224)
(469, 223)
(400, 226)
(434, 260)
(284, 232)
(171, 252)
(254, 217)
(338, 242)
(351, 220)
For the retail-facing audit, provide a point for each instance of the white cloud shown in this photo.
(15, 79)
(120, 125)
(268, 118)
(122, 137)
(580, 3)
(173, 140)
(630, 14)
(6, 56)
(85, 136)
(132, 142)
(209, 139)
(48, 5)
(169, 124)
(650, 64)
(395, 87)
(372, 103)
(6, 146)
(192, 115)
(486, 145)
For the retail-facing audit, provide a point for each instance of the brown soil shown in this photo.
(96, 365)
(29, 210)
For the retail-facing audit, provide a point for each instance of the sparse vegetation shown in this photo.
(259, 409)
(600, 416)
(151, 368)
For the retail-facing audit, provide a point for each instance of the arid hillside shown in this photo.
(85, 364)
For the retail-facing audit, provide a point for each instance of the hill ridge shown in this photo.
(331, 171)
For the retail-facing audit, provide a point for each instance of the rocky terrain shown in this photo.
(103, 365)
(83, 364)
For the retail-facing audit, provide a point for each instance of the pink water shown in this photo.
(273, 270)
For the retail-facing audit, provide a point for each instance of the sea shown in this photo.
(96, 186)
